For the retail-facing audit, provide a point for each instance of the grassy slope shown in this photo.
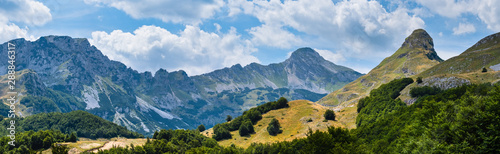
(293, 121)
(468, 65)
(88, 144)
(390, 68)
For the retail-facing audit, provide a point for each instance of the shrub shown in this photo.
(329, 115)
(484, 70)
(274, 127)
(419, 80)
(246, 128)
(60, 149)
(422, 91)
(221, 132)
(229, 118)
(201, 128)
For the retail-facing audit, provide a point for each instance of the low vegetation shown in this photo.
(222, 131)
(31, 142)
(329, 115)
(274, 127)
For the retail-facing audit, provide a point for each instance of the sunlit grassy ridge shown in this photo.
(484, 54)
(293, 121)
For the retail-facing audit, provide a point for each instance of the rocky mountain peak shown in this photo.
(419, 39)
(305, 55)
(161, 73)
(420, 42)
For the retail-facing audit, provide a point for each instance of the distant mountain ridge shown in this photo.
(305, 69)
(76, 76)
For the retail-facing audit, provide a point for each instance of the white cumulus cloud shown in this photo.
(29, 12)
(355, 26)
(464, 28)
(195, 51)
(486, 10)
(183, 11)
(273, 36)
(331, 56)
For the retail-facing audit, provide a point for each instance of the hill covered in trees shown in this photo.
(80, 122)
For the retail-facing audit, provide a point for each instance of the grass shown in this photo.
(389, 69)
(293, 121)
(85, 144)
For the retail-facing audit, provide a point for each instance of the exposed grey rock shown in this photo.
(444, 82)
(495, 67)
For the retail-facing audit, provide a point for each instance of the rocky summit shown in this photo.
(415, 55)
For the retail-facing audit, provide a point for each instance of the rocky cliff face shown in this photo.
(62, 68)
(415, 55)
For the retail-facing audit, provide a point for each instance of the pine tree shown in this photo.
(229, 118)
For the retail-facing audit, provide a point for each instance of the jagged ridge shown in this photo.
(144, 103)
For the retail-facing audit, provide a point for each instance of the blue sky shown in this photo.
(199, 36)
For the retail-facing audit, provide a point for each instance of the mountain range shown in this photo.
(62, 74)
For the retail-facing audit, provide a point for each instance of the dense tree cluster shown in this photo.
(83, 123)
(423, 91)
(381, 101)
(458, 120)
(30, 141)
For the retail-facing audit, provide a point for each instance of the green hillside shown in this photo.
(458, 120)
(415, 55)
(294, 122)
(469, 65)
(82, 123)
